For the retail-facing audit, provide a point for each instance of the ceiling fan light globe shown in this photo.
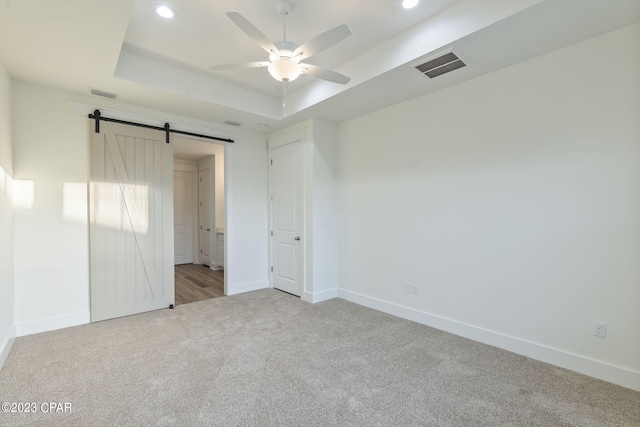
(165, 11)
(410, 4)
(284, 70)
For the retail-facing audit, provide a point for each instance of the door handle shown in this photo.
(208, 229)
(297, 238)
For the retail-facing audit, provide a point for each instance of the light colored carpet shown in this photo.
(266, 358)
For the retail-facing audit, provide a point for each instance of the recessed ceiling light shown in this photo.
(410, 4)
(165, 11)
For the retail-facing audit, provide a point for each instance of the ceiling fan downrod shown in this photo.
(284, 8)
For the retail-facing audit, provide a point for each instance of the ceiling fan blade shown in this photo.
(324, 74)
(255, 34)
(240, 66)
(322, 42)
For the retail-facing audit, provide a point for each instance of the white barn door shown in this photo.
(131, 221)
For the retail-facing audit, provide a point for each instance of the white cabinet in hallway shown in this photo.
(219, 264)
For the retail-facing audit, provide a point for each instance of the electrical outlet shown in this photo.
(600, 329)
(414, 290)
(407, 288)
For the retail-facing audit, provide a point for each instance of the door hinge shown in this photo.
(271, 233)
(272, 269)
(200, 250)
(271, 197)
(271, 161)
(200, 179)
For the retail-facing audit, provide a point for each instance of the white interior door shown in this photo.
(286, 217)
(183, 216)
(204, 211)
(131, 221)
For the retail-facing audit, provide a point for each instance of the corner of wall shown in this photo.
(246, 213)
(7, 270)
(324, 212)
(247, 287)
(52, 323)
(6, 345)
(317, 297)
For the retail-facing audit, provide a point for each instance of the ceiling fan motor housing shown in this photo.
(286, 48)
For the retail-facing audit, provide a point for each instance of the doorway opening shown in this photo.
(199, 219)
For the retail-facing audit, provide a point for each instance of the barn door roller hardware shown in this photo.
(166, 129)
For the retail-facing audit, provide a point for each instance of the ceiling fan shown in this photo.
(284, 56)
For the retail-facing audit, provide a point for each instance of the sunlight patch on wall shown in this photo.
(23, 194)
(108, 208)
(5, 183)
(20, 192)
(74, 202)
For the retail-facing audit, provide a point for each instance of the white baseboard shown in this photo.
(320, 296)
(5, 346)
(247, 287)
(52, 323)
(584, 365)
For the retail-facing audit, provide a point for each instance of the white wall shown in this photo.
(51, 149)
(7, 330)
(512, 202)
(6, 146)
(325, 211)
(51, 238)
(246, 225)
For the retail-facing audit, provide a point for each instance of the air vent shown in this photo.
(232, 123)
(442, 64)
(103, 93)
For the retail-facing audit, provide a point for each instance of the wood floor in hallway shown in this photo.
(196, 282)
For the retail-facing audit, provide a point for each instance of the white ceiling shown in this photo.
(122, 46)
